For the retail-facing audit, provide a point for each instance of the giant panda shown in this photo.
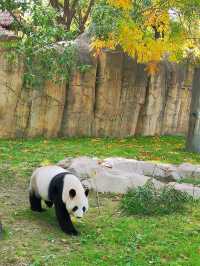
(57, 186)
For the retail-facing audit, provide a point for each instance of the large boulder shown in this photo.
(119, 174)
(165, 172)
(100, 176)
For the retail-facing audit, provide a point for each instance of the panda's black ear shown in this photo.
(72, 193)
(87, 192)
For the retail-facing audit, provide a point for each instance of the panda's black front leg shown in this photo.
(64, 218)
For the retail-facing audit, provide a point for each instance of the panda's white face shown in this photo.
(74, 196)
(78, 204)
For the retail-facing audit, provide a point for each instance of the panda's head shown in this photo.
(74, 196)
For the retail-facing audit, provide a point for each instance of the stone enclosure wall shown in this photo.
(115, 97)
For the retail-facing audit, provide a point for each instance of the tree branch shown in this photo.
(69, 12)
(73, 8)
(16, 20)
(72, 11)
(55, 4)
(85, 18)
(66, 10)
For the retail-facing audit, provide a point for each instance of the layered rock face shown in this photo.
(25, 112)
(115, 97)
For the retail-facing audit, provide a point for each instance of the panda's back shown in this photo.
(42, 177)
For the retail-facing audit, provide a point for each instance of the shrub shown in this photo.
(149, 200)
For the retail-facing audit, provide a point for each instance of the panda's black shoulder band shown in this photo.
(56, 186)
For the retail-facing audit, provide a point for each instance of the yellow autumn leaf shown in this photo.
(152, 68)
(153, 40)
(97, 45)
(124, 4)
(45, 162)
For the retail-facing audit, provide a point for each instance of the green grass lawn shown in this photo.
(107, 238)
(191, 180)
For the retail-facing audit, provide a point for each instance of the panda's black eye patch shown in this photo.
(84, 209)
(86, 192)
(75, 209)
(72, 193)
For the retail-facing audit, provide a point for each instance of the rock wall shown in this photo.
(115, 97)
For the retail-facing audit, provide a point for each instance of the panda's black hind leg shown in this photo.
(48, 203)
(35, 203)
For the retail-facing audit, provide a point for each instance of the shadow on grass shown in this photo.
(4, 234)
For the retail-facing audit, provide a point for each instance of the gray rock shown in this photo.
(65, 163)
(107, 175)
(109, 180)
(165, 172)
(122, 164)
(146, 168)
(118, 174)
(192, 190)
(187, 170)
(84, 167)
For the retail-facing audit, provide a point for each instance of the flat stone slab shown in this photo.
(165, 172)
(6, 35)
(118, 174)
(192, 190)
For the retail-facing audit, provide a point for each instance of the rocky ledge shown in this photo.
(119, 174)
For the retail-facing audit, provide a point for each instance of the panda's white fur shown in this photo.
(80, 200)
(41, 179)
(40, 183)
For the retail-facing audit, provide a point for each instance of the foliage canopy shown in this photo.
(40, 26)
(149, 30)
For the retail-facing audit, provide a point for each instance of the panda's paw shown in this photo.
(74, 233)
(38, 210)
(41, 210)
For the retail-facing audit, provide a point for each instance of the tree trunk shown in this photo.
(193, 139)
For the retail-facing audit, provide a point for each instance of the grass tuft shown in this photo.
(149, 200)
